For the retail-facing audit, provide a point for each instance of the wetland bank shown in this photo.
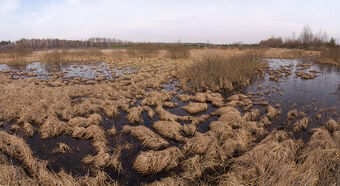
(171, 117)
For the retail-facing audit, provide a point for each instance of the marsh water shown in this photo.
(320, 95)
(46, 71)
(288, 91)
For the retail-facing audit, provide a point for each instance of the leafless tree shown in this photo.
(306, 36)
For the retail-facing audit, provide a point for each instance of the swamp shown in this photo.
(163, 121)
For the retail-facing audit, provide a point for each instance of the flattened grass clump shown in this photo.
(148, 138)
(152, 162)
(216, 72)
(268, 163)
(169, 129)
(194, 108)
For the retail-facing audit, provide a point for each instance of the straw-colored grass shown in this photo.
(152, 162)
(147, 138)
(195, 108)
(330, 56)
(301, 124)
(62, 148)
(169, 129)
(178, 51)
(216, 72)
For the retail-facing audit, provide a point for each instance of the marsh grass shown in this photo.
(65, 55)
(144, 50)
(18, 51)
(330, 56)
(217, 72)
(55, 56)
(17, 56)
(178, 51)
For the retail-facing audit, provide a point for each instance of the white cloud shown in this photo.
(216, 21)
(7, 6)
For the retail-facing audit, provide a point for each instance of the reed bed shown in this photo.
(330, 56)
(221, 73)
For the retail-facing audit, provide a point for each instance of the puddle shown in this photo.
(70, 162)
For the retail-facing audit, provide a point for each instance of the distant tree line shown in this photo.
(307, 39)
(59, 43)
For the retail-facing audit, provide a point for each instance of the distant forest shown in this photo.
(307, 40)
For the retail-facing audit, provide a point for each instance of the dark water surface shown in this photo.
(313, 96)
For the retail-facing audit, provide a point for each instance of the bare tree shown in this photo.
(306, 36)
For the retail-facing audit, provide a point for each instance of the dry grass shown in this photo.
(269, 163)
(152, 162)
(62, 148)
(222, 73)
(148, 138)
(252, 115)
(144, 50)
(195, 108)
(135, 115)
(16, 56)
(301, 124)
(169, 129)
(178, 51)
(330, 56)
(228, 153)
(272, 112)
(283, 53)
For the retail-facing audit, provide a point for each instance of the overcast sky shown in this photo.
(214, 21)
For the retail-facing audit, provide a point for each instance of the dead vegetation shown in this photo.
(283, 53)
(62, 148)
(178, 51)
(330, 56)
(221, 73)
(169, 129)
(148, 138)
(152, 162)
(194, 108)
(237, 149)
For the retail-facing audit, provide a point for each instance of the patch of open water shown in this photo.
(311, 96)
(46, 71)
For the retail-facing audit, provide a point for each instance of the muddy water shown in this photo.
(313, 96)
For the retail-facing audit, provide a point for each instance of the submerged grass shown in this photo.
(216, 72)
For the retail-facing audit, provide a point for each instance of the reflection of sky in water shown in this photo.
(321, 92)
(91, 71)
